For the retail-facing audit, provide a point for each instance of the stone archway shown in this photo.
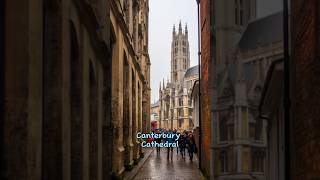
(52, 127)
(134, 115)
(108, 137)
(126, 112)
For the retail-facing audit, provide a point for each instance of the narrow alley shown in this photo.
(159, 167)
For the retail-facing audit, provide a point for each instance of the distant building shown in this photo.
(175, 102)
(196, 106)
(155, 110)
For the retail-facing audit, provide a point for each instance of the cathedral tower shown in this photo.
(229, 28)
(180, 54)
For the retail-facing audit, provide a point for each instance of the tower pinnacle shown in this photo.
(163, 84)
(186, 30)
(174, 29)
(180, 28)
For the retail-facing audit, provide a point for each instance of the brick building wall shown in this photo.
(205, 94)
(305, 90)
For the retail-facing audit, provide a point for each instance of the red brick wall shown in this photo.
(306, 90)
(205, 97)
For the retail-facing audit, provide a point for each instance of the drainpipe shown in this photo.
(199, 69)
(286, 92)
(2, 63)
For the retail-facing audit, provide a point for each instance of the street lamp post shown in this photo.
(199, 69)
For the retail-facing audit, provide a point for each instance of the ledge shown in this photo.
(128, 175)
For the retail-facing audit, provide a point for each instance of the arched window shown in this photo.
(76, 104)
(223, 130)
(231, 132)
(224, 161)
(175, 65)
(257, 159)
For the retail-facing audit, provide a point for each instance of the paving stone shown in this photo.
(159, 167)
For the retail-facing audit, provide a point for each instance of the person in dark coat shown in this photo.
(182, 144)
(158, 140)
(190, 142)
(170, 149)
(178, 147)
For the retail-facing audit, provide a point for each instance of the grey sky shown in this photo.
(162, 15)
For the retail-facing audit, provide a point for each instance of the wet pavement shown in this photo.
(159, 167)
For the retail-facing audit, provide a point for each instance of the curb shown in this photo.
(135, 170)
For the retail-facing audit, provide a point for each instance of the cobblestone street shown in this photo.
(159, 167)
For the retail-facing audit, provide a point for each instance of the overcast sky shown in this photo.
(162, 15)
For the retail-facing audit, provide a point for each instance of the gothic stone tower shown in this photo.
(175, 106)
(228, 29)
(180, 54)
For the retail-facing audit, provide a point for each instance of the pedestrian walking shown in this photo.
(191, 145)
(170, 149)
(182, 144)
(178, 143)
(158, 140)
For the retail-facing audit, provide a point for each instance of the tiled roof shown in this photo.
(192, 71)
(262, 31)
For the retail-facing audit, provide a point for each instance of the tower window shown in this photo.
(175, 64)
(180, 102)
(223, 130)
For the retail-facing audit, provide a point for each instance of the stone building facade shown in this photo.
(175, 96)
(244, 49)
(131, 79)
(155, 110)
(65, 110)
